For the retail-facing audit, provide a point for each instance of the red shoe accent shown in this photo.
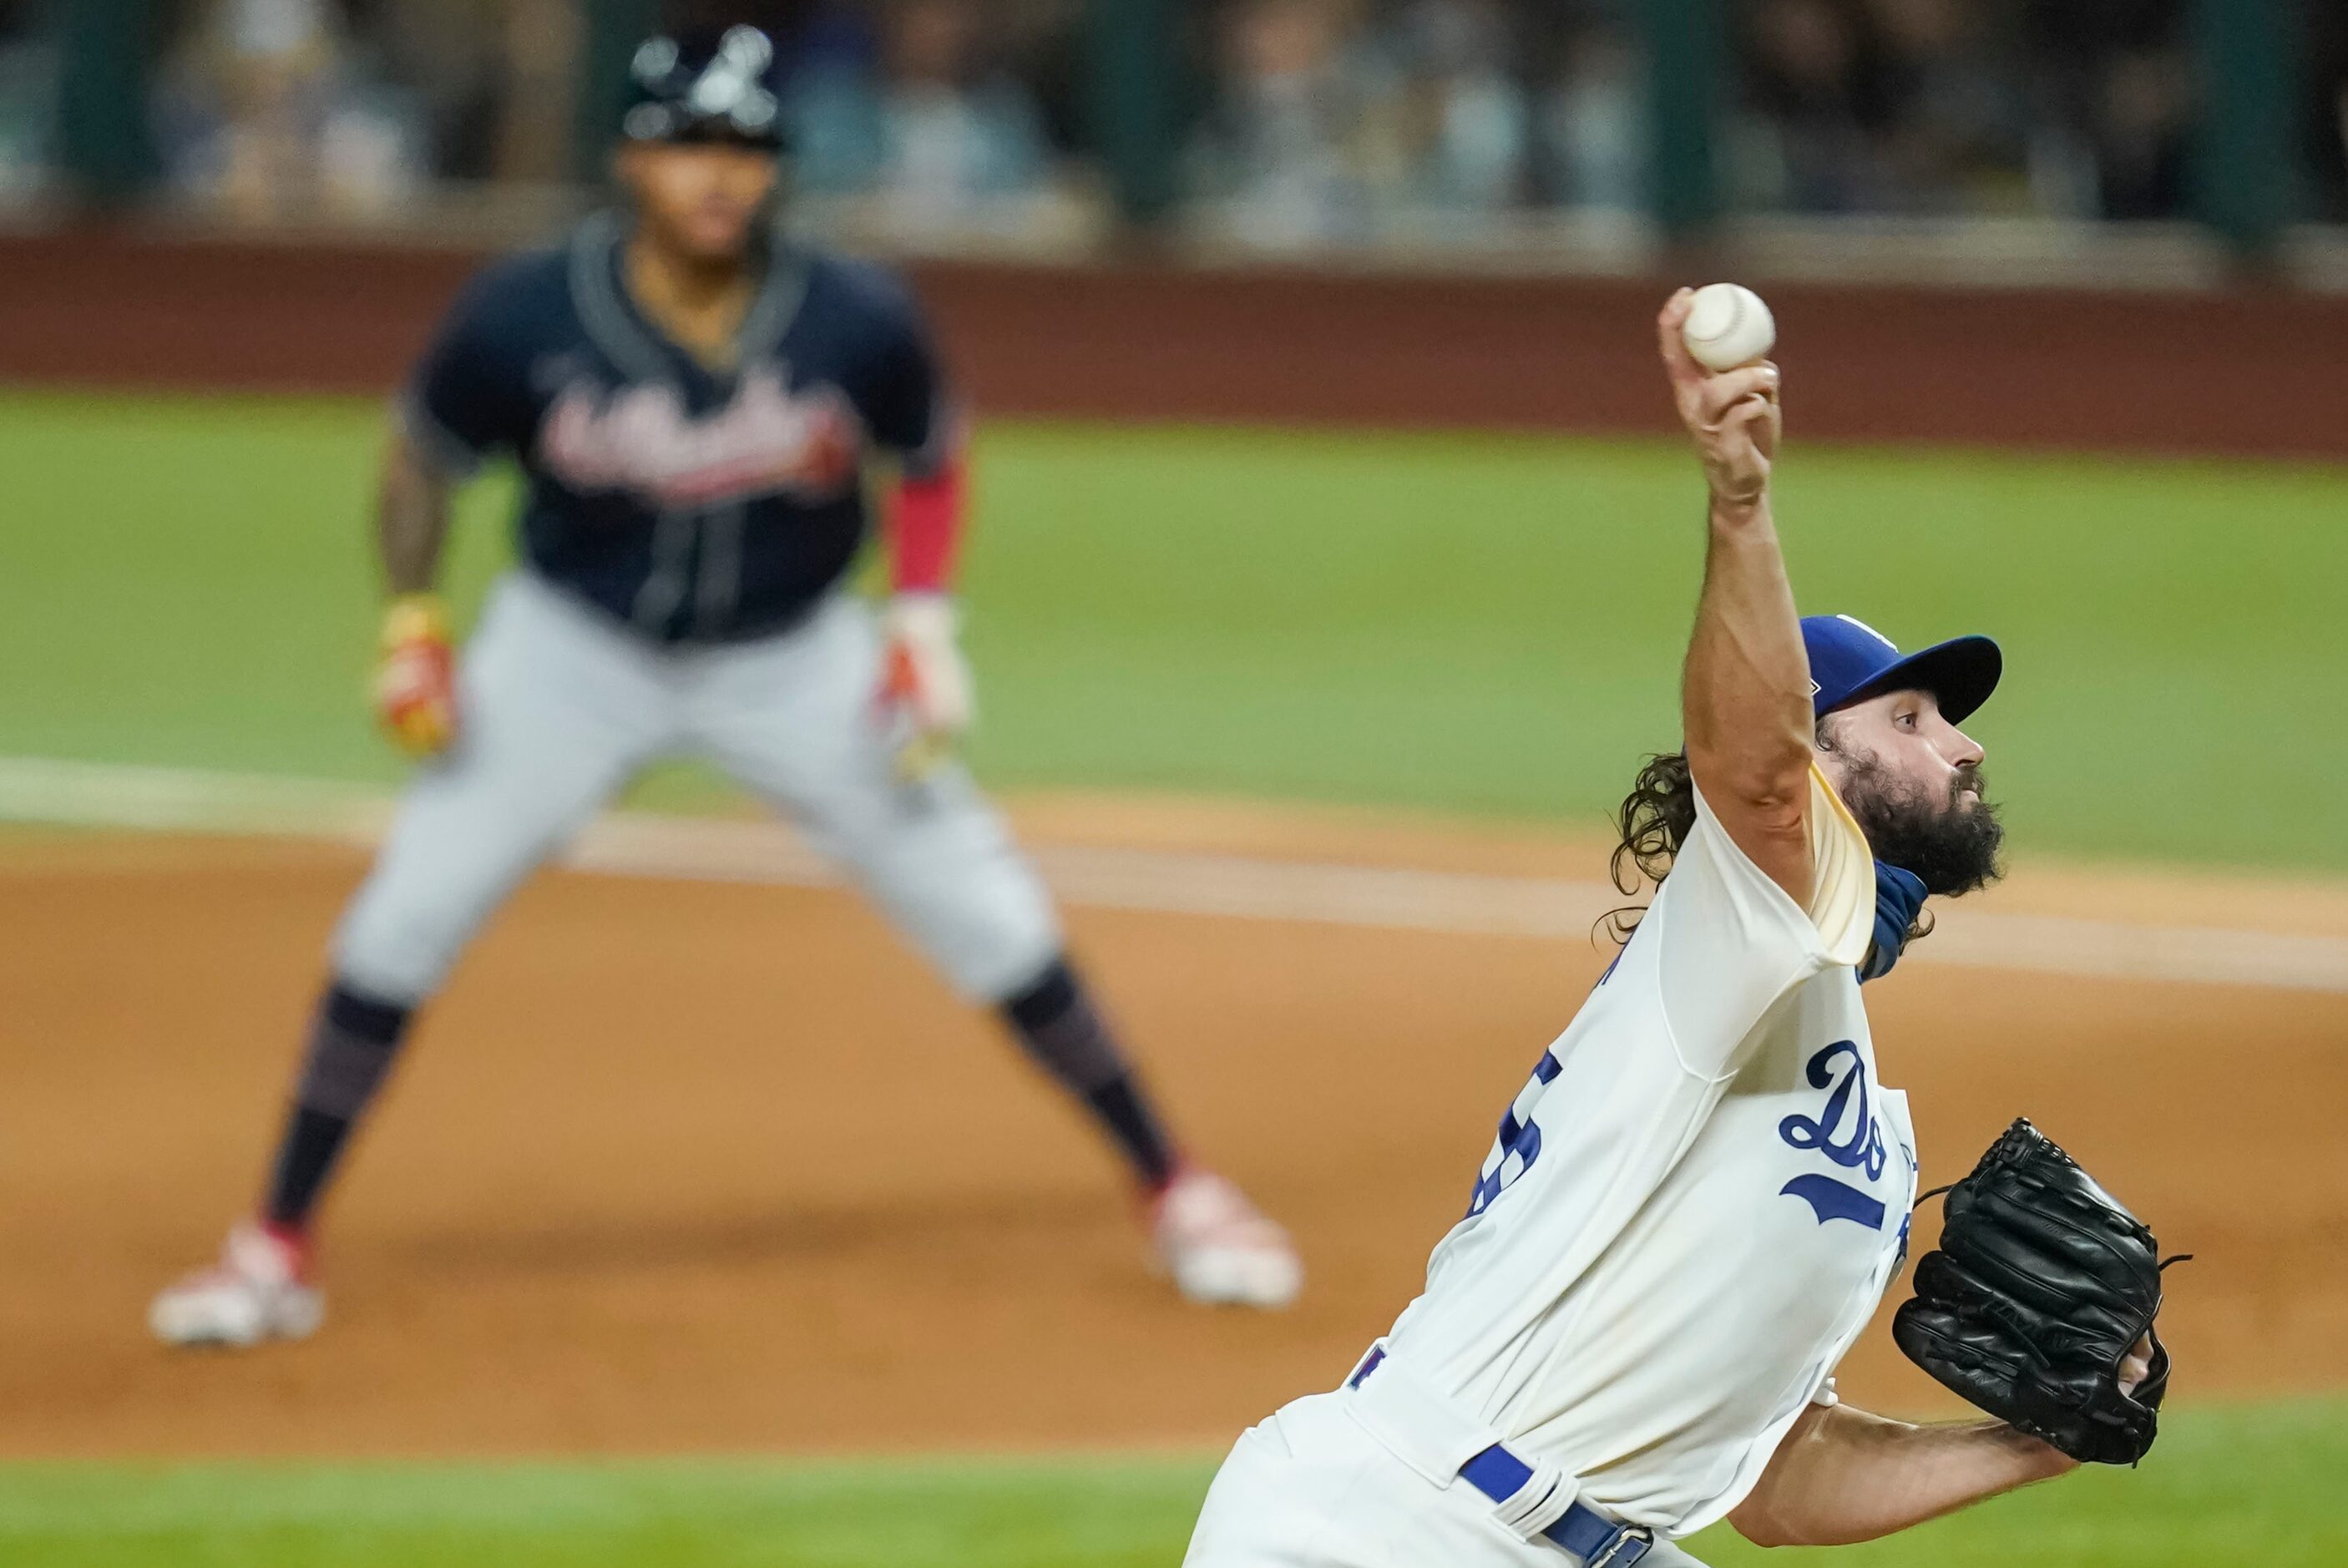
(294, 1239)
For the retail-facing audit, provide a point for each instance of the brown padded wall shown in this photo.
(2249, 372)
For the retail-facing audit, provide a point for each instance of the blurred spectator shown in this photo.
(2122, 84)
(1286, 142)
(266, 107)
(1594, 120)
(29, 101)
(2065, 106)
(1959, 132)
(279, 109)
(957, 130)
(920, 111)
(1465, 119)
(1333, 119)
(1819, 106)
(495, 79)
(2326, 128)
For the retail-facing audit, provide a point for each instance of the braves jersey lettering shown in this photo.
(1684, 1221)
(642, 440)
(696, 503)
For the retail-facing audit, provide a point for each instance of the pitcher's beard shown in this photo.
(1950, 845)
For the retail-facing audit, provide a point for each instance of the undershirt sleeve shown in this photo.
(908, 407)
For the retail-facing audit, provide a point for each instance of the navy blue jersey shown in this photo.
(694, 504)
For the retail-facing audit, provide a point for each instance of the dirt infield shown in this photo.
(680, 1167)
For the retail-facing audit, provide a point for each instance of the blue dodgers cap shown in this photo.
(1850, 659)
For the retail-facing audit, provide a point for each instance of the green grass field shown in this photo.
(2224, 1486)
(1484, 625)
(1479, 625)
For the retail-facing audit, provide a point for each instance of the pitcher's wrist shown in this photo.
(1739, 513)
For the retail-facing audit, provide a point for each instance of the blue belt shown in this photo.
(1589, 1535)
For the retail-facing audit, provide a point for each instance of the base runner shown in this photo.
(1695, 1205)
(693, 404)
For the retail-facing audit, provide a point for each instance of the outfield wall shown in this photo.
(2244, 372)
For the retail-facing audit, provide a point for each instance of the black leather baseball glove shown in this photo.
(2041, 1287)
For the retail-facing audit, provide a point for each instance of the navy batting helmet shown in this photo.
(705, 89)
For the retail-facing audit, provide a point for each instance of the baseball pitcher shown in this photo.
(1695, 1203)
(696, 403)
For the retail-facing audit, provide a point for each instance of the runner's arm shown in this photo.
(412, 506)
(1843, 1476)
(472, 396)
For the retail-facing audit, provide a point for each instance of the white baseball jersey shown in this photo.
(1694, 1206)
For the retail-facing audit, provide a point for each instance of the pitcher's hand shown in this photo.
(2136, 1366)
(1732, 416)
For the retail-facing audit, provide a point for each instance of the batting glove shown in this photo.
(415, 681)
(924, 680)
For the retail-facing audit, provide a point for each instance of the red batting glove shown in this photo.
(415, 683)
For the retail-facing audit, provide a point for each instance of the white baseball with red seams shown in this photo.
(1728, 326)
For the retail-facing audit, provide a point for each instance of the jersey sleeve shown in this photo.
(906, 403)
(469, 398)
(1733, 943)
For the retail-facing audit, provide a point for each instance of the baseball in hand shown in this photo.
(1727, 326)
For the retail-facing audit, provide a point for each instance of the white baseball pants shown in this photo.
(1309, 1487)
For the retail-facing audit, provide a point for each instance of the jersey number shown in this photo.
(1519, 1142)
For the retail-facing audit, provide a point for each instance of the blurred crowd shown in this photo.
(274, 107)
(1957, 106)
(271, 108)
(2078, 108)
(27, 100)
(1343, 118)
(1308, 122)
(1336, 117)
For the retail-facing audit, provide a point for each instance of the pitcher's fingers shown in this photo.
(1730, 388)
(1755, 420)
(1681, 365)
(2134, 1367)
(1759, 408)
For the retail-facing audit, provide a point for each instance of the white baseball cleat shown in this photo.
(259, 1290)
(1219, 1248)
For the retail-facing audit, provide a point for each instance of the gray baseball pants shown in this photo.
(559, 707)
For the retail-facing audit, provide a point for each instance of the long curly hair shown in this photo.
(1655, 820)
